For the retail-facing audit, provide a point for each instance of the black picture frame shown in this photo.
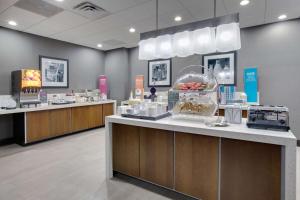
(234, 54)
(169, 84)
(41, 57)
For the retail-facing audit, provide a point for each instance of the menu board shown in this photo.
(31, 78)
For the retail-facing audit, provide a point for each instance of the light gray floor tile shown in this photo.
(71, 167)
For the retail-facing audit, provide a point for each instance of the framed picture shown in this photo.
(55, 72)
(160, 73)
(223, 66)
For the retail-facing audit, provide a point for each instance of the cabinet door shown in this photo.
(108, 109)
(60, 122)
(80, 118)
(126, 142)
(95, 116)
(250, 170)
(157, 156)
(37, 126)
(196, 165)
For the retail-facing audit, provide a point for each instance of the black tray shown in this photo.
(154, 118)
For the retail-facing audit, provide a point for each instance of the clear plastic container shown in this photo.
(194, 82)
(197, 94)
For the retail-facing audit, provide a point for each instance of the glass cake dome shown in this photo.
(196, 92)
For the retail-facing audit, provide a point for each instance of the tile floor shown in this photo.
(72, 168)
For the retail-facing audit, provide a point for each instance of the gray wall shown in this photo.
(20, 50)
(274, 49)
(118, 73)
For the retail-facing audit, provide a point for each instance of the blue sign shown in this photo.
(251, 84)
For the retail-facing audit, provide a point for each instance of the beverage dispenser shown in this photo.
(26, 85)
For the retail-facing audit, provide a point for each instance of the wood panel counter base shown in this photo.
(37, 126)
(203, 162)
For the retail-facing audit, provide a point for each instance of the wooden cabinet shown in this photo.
(196, 165)
(87, 117)
(250, 171)
(80, 118)
(157, 156)
(108, 109)
(60, 122)
(37, 126)
(126, 146)
(95, 116)
(41, 125)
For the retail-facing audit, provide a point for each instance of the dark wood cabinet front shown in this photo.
(157, 156)
(250, 170)
(41, 125)
(196, 165)
(126, 149)
(80, 118)
(108, 109)
(37, 126)
(95, 116)
(60, 122)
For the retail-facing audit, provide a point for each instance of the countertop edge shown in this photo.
(270, 137)
(54, 107)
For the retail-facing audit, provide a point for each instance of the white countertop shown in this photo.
(234, 131)
(52, 107)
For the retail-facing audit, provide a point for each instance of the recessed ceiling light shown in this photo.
(99, 45)
(12, 23)
(132, 30)
(282, 17)
(59, 0)
(244, 2)
(178, 18)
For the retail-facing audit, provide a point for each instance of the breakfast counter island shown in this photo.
(36, 124)
(209, 163)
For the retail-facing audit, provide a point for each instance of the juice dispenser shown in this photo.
(26, 85)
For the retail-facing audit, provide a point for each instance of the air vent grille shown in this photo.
(87, 6)
(90, 10)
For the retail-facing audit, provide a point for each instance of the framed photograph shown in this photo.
(223, 66)
(160, 73)
(55, 72)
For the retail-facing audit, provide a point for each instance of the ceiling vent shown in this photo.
(39, 7)
(90, 10)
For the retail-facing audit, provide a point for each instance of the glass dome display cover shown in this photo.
(197, 94)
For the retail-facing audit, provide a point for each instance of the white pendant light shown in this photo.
(204, 40)
(164, 47)
(228, 37)
(177, 41)
(182, 44)
(147, 49)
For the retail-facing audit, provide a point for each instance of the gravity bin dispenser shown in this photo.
(26, 85)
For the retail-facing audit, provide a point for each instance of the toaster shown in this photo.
(268, 117)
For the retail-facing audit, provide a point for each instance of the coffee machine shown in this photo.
(26, 85)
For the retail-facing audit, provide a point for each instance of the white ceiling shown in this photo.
(112, 30)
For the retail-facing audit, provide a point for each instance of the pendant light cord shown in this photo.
(156, 15)
(215, 8)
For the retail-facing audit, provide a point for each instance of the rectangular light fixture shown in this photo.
(221, 34)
